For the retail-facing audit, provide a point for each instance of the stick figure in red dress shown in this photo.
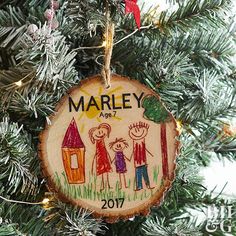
(101, 157)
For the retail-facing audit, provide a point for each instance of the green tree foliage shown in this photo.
(154, 110)
(186, 54)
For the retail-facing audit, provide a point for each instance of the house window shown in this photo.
(74, 162)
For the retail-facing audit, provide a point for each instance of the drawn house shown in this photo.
(73, 155)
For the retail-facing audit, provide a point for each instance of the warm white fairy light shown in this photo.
(104, 43)
(45, 201)
(19, 83)
(179, 127)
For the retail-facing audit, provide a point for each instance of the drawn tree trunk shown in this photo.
(156, 111)
(164, 153)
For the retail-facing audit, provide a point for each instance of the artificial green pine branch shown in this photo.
(12, 26)
(203, 98)
(191, 13)
(5, 3)
(180, 227)
(48, 53)
(17, 156)
(83, 20)
(57, 219)
(7, 229)
(79, 222)
(207, 49)
(51, 64)
(28, 220)
(12, 75)
(69, 220)
(32, 105)
(227, 148)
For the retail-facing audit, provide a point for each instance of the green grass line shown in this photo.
(155, 174)
(89, 190)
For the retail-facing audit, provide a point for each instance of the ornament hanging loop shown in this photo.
(106, 71)
(109, 35)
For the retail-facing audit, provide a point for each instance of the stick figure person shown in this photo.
(118, 146)
(138, 132)
(101, 157)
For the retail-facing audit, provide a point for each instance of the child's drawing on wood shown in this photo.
(111, 151)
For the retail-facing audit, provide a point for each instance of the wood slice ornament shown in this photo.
(111, 151)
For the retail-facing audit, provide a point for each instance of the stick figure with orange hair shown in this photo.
(101, 157)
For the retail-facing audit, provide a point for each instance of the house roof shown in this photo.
(72, 137)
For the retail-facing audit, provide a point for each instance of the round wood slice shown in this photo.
(111, 151)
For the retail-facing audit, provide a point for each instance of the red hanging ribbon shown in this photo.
(132, 7)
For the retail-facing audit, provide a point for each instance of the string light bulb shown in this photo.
(104, 43)
(45, 201)
(19, 83)
(179, 126)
